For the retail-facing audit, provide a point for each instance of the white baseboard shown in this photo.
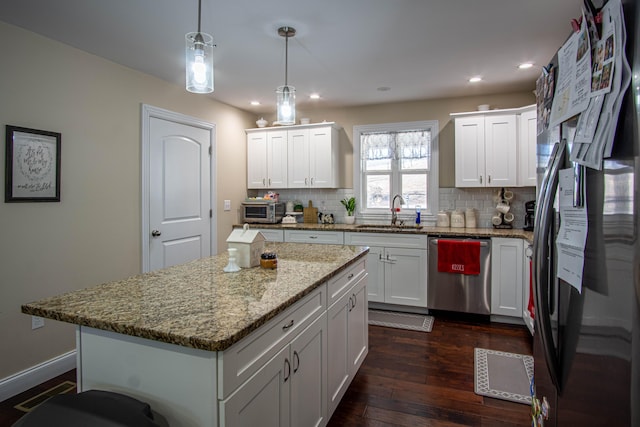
(31, 377)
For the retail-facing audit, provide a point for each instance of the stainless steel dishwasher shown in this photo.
(459, 292)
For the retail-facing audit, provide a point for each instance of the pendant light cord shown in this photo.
(286, 56)
(199, 14)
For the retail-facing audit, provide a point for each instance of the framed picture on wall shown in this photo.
(32, 170)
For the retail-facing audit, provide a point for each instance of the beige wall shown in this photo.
(93, 234)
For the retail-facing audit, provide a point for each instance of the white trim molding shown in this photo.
(31, 377)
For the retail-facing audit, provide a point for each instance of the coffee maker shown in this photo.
(530, 211)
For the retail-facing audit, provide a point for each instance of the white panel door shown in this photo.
(277, 159)
(179, 193)
(257, 160)
(321, 158)
(405, 276)
(527, 149)
(298, 160)
(469, 141)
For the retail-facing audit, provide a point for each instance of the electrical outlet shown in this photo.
(37, 322)
(227, 205)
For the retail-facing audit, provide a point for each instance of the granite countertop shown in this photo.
(385, 228)
(196, 304)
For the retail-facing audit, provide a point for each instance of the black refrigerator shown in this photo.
(587, 343)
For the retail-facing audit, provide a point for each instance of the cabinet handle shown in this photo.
(489, 179)
(480, 179)
(355, 300)
(269, 182)
(350, 303)
(296, 361)
(349, 277)
(313, 237)
(311, 180)
(306, 181)
(288, 325)
(264, 181)
(288, 367)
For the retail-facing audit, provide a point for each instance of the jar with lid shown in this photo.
(470, 218)
(443, 219)
(269, 260)
(457, 219)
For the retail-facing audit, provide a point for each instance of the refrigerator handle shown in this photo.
(541, 257)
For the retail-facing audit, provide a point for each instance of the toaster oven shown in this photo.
(262, 212)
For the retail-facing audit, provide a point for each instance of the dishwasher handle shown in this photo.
(483, 244)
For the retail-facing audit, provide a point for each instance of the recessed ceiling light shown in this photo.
(255, 102)
(314, 96)
(525, 65)
(384, 88)
(475, 79)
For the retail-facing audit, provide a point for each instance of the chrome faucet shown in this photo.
(394, 214)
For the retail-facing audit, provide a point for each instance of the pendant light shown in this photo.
(199, 59)
(286, 95)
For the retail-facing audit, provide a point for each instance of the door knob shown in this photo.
(156, 233)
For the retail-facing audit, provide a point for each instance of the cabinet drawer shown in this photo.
(272, 235)
(409, 241)
(311, 236)
(340, 284)
(243, 359)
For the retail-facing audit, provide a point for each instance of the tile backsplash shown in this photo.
(482, 199)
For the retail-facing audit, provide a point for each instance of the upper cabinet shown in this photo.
(267, 159)
(490, 148)
(527, 175)
(305, 156)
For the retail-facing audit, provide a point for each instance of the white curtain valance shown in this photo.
(396, 145)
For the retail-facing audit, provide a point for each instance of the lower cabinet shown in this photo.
(506, 276)
(289, 390)
(272, 234)
(397, 267)
(313, 236)
(348, 340)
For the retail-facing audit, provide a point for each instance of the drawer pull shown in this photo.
(313, 237)
(288, 367)
(349, 277)
(288, 325)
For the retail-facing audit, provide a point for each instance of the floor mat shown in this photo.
(29, 405)
(391, 319)
(503, 375)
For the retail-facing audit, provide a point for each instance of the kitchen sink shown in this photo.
(388, 227)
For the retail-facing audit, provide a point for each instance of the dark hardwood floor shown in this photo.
(426, 379)
(408, 379)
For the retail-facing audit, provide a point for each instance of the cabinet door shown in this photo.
(501, 150)
(338, 365)
(322, 167)
(309, 375)
(264, 399)
(277, 159)
(527, 176)
(298, 160)
(470, 151)
(358, 344)
(405, 276)
(375, 270)
(506, 276)
(257, 160)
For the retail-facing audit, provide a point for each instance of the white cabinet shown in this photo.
(506, 276)
(397, 267)
(348, 340)
(486, 151)
(267, 159)
(527, 175)
(313, 157)
(296, 157)
(314, 236)
(289, 390)
(527, 291)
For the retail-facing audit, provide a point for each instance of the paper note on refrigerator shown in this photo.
(572, 236)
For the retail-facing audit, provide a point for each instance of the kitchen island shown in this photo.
(208, 348)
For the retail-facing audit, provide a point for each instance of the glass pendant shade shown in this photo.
(199, 62)
(286, 105)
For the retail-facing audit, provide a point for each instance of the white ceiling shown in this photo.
(344, 49)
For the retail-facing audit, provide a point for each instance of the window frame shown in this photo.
(408, 214)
